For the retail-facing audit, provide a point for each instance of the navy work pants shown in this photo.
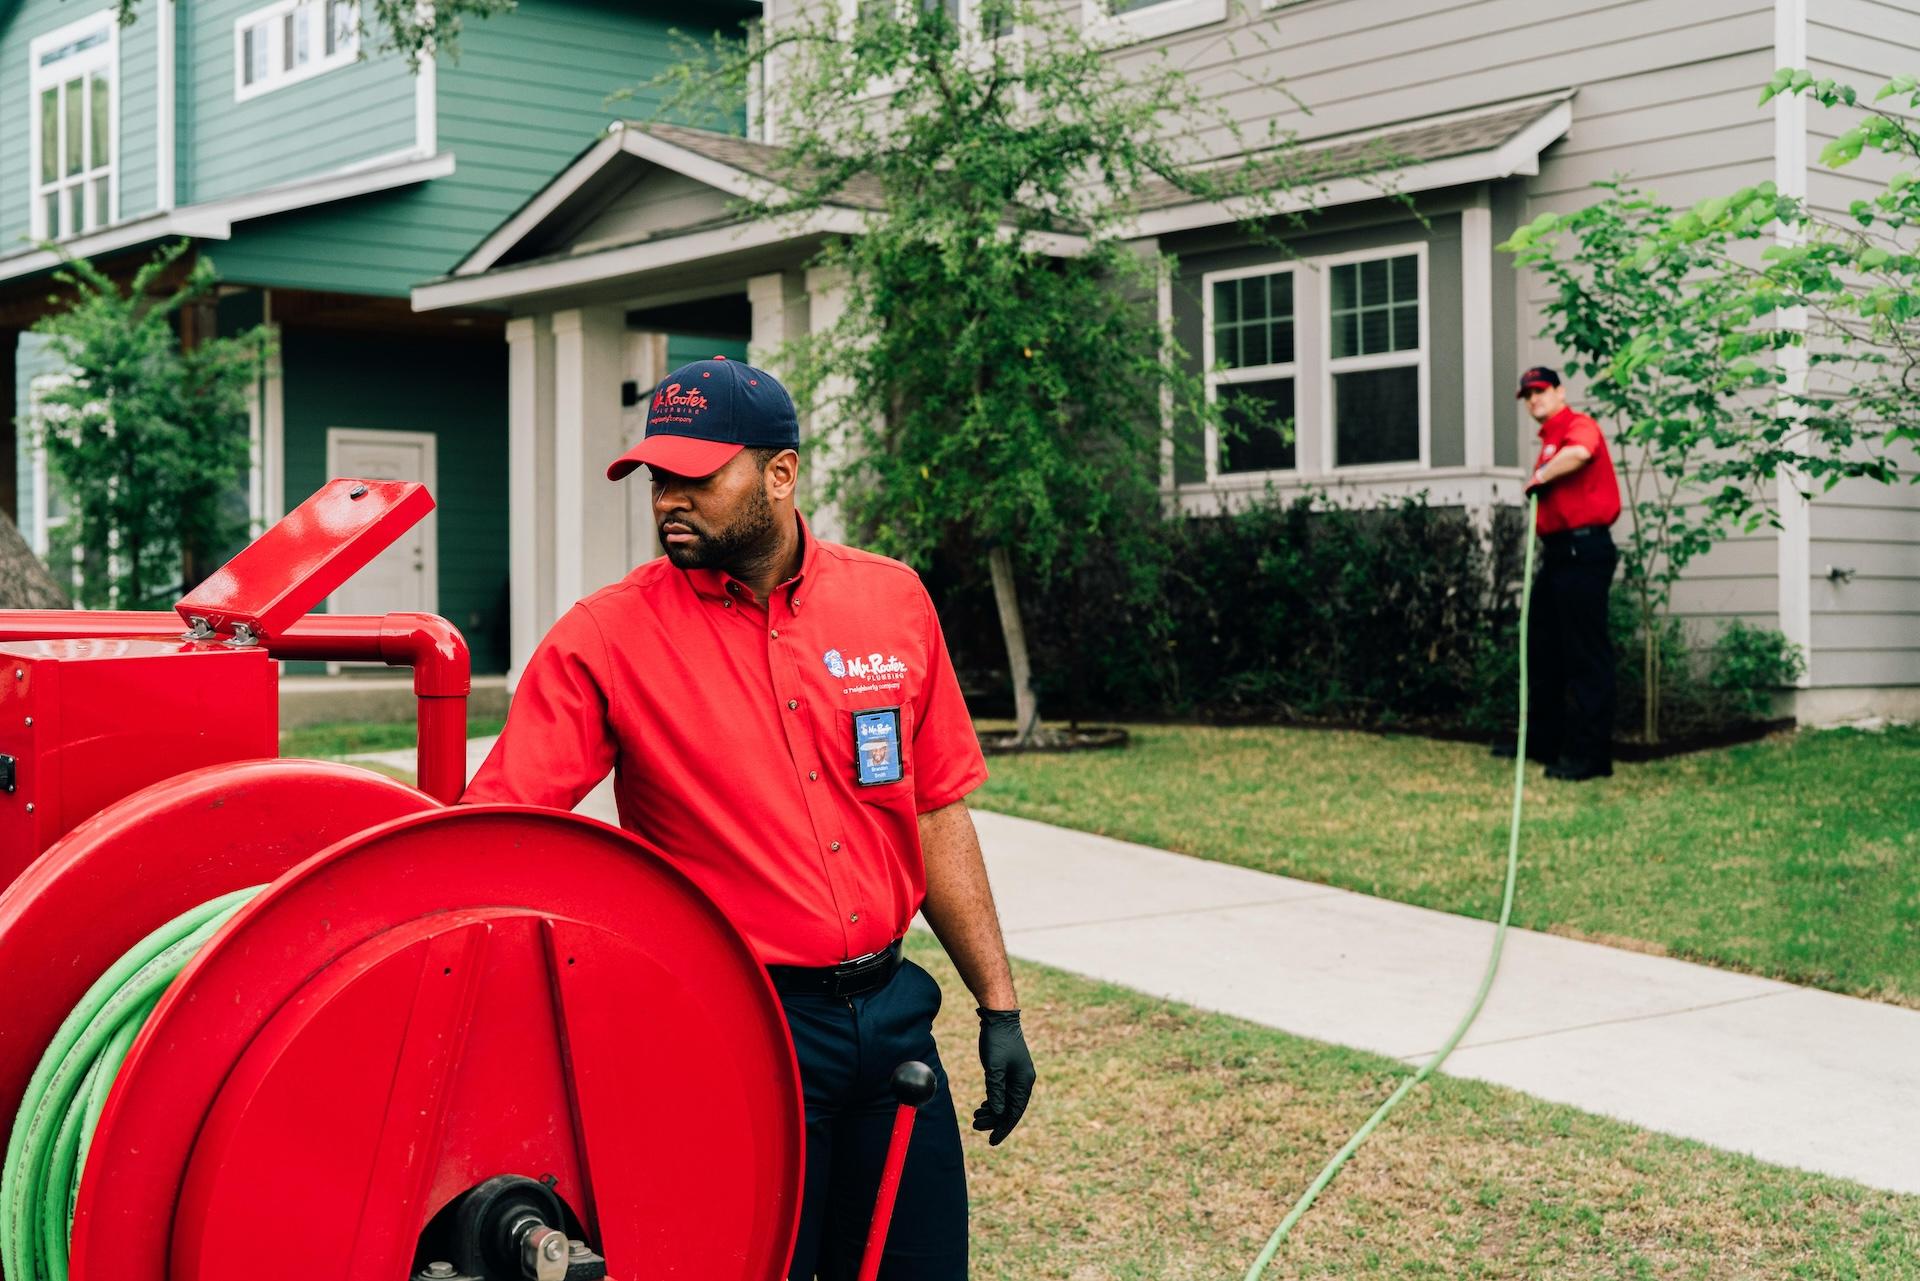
(1569, 652)
(848, 1048)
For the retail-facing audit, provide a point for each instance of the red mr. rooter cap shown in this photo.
(704, 413)
(1539, 378)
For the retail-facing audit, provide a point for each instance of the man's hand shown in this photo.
(1534, 485)
(1009, 1068)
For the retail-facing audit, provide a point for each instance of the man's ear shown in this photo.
(782, 474)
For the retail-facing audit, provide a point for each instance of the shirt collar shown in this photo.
(1559, 420)
(717, 584)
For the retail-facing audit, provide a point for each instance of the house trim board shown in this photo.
(649, 255)
(165, 108)
(214, 220)
(1795, 535)
(1476, 331)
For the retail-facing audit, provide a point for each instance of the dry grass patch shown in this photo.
(1165, 1143)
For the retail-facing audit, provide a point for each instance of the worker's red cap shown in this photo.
(704, 413)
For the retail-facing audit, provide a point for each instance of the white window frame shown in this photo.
(1331, 365)
(1217, 378)
(100, 60)
(1166, 18)
(278, 77)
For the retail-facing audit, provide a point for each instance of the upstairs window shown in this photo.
(72, 141)
(288, 42)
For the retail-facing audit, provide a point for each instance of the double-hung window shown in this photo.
(72, 141)
(290, 41)
(1253, 374)
(1336, 344)
(1377, 350)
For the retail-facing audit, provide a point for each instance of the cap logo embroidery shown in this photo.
(675, 404)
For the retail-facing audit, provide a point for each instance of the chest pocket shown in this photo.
(875, 743)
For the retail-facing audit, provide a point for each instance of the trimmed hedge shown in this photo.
(1402, 616)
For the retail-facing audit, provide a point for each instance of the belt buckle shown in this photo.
(849, 972)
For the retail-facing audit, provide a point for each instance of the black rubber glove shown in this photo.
(1009, 1068)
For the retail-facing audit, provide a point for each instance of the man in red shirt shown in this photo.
(1569, 651)
(782, 719)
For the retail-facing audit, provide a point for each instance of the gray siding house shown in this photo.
(1393, 340)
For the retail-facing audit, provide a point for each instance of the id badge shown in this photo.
(876, 746)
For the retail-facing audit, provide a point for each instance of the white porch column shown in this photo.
(529, 488)
(644, 364)
(590, 519)
(1476, 336)
(826, 301)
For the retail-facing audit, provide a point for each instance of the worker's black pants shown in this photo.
(848, 1048)
(1569, 652)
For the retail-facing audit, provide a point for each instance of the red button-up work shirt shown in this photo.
(1590, 496)
(728, 723)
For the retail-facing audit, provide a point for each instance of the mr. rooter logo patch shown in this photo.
(676, 404)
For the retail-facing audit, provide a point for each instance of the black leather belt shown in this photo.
(866, 973)
(1584, 532)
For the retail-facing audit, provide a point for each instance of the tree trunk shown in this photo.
(1650, 682)
(24, 581)
(1026, 707)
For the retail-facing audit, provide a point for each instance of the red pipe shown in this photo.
(433, 647)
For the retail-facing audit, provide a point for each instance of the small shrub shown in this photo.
(1747, 664)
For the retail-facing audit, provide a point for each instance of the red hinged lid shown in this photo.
(300, 561)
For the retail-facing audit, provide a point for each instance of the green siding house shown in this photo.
(324, 180)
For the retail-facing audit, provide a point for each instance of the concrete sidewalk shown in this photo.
(1790, 1075)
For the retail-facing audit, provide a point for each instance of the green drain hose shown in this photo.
(1432, 1065)
(47, 1148)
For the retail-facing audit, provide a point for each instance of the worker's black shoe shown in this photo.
(1572, 769)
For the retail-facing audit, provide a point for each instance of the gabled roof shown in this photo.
(737, 166)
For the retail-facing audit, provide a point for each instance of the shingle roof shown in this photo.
(1374, 152)
(761, 160)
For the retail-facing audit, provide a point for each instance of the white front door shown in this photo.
(406, 575)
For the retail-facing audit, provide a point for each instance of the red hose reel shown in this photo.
(442, 1042)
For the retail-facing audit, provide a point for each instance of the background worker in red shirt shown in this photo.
(1569, 651)
(782, 720)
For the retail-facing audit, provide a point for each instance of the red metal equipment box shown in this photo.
(86, 722)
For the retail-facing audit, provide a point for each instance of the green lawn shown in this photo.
(346, 738)
(1796, 857)
(1164, 1144)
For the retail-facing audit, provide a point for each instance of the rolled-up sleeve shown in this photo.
(946, 752)
(557, 744)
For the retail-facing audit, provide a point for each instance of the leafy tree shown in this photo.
(1856, 279)
(415, 29)
(996, 383)
(148, 440)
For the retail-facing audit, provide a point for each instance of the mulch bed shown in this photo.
(1076, 738)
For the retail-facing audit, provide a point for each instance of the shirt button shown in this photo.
(776, 633)
(855, 918)
(793, 704)
(835, 847)
(814, 775)
(726, 604)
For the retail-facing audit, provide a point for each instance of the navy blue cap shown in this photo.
(704, 413)
(1539, 378)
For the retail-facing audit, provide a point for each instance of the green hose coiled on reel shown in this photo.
(1432, 1065)
(47, 1149)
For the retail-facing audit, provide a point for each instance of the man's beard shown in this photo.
(732, 547)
